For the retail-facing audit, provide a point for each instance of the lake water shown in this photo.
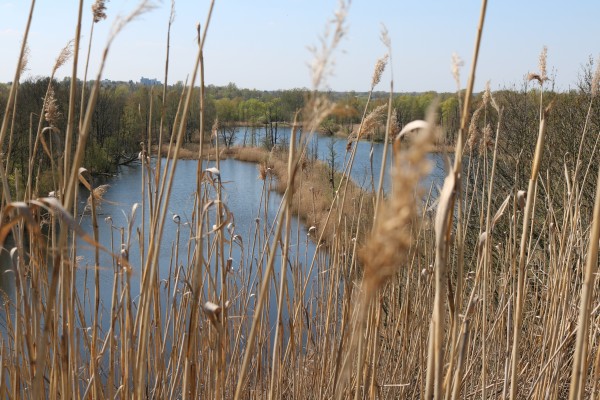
(243, 195)
(320, 147)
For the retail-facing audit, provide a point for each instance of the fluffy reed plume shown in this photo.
(542, 63)
(51, 113)
(24, 60)
(64, 56)
(521, 198)
(385, 37)
(541, 76)
(457, 63)
(263, 171)
(486, 139)
(473, 130)
(315, 111)
(487, 94)
(99, 10)
(373, 119)
(388, 245)
(379, 68)
(322, 61)
(98, 193)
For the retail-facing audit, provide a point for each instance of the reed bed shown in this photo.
(483, 289)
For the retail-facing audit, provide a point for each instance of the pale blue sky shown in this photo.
(263, 44)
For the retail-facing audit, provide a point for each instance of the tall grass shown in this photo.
(481, 290)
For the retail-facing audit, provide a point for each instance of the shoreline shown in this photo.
(313, 192)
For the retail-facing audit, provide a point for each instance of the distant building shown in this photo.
(149, 82)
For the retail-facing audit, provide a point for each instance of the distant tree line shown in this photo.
(124, 117)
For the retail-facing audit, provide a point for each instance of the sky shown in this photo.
(263, 44)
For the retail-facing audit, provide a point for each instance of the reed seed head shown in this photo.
(457, 63)
(24, 60)
(542, 75)
(486, 140)
(388, 246)
(213, 312)
(482, 240)
(64, 56)
(487, 94)
(531, 77)
(379, 68)
(262, 171)
(322, 62)
(385, 37)
(317, 108)
(521, 199)
(99, 10)
(542, 64)
(51, 113)
(98, 194)
(372, 120)
(473, 130)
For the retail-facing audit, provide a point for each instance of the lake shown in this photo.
(321, 147)
(244, 195)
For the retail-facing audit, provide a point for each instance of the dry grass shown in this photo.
(459, 296)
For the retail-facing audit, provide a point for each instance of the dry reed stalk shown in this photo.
(391, 121)
(98, 14)
(65, 275)
(580, 363)
(316, 109)
(487, 245)
(96, 194)
(63, 57)
(390, 240)
(518, 318)
(24, 63)
(71, 112)
(261, 298)
(163, 109)
(292, 169)
(149, 278)
(593, 92)
(435, 365)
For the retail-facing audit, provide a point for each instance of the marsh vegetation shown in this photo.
(480, 283)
